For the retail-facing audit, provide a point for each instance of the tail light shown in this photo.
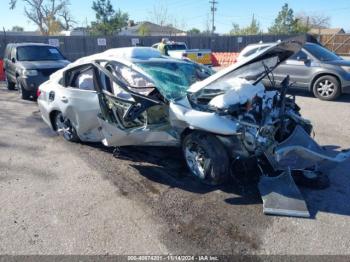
(38, 92)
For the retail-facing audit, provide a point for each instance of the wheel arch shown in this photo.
(321, 75)
(52, 116)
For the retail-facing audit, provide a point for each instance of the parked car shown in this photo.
(314, 68)
(135, 96)
(27, 65)
(179, 50)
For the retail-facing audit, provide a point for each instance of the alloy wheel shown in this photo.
(64, 127)
(197, 160)
(326, 88)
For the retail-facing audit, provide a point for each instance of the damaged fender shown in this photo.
(206, 121)
(300, 151)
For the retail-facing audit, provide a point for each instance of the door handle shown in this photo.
(64, 99)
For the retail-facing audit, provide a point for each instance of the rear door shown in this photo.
(80, 101)
(127, 116)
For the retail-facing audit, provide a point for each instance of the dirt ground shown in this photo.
(64, 198)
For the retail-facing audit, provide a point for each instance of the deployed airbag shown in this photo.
(237, 91)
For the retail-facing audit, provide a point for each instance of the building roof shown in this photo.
(152, 28)
(326, 31)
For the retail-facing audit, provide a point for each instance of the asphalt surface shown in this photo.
(64, 198)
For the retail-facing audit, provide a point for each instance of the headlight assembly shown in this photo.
(26, 72)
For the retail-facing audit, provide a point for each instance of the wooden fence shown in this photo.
(338, 43)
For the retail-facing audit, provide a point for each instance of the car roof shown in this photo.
(125, 55)
(29, 44)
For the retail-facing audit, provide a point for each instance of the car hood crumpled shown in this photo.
(283, 50)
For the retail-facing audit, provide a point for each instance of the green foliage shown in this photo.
(144, 30)
(284, 22)
(252, 29)
(194, 31)
(108, 21)
(17, 28)
(300, 26)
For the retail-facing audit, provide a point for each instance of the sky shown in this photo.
(195, 13)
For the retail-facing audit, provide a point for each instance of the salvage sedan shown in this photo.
(135, 96)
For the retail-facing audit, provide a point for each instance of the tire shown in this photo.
(206, 158)
(326, 88)
(63, 126)
(10, 85)
(25, 95)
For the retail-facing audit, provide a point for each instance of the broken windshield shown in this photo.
(174, 78)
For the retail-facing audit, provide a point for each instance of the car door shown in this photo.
(299, 67)
(128, 117)
(79, 101)
(11, 65)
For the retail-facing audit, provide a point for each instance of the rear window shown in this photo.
(38, 53)
(174, 47)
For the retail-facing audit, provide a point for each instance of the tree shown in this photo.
(67, 20)
(159, 14)
(46, 14)
(319, 22)
(144, 30)
(17, 28)
(305, 22)
(252, 29)
(103, 10)
(194, 31)
(108, 22)
(284, 22)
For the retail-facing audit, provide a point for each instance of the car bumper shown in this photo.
(32, 83)
(346, 88)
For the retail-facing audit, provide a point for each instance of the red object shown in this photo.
(38, 92)
(224, 58)
(2, 72)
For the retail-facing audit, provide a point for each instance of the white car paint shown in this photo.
(81, 106)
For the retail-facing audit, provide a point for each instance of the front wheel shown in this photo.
(25, 95)
(327, 88)
(64, 126)
(206, 157)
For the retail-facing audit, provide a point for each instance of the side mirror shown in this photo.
(13, 60)
(307, 61)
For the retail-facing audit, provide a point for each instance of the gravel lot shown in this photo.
(63, 198)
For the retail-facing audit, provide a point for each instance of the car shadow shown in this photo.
(166, 166)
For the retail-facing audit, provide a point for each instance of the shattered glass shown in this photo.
(174, 78)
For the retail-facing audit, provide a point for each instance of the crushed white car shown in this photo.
(135, 96)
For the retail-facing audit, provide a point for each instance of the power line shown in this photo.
(213, 10)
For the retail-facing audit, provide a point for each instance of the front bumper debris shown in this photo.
(300, 151)
(280, 194)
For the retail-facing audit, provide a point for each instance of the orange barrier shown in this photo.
(2, 72)
(224, 58)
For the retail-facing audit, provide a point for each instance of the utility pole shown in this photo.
(213, 10)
